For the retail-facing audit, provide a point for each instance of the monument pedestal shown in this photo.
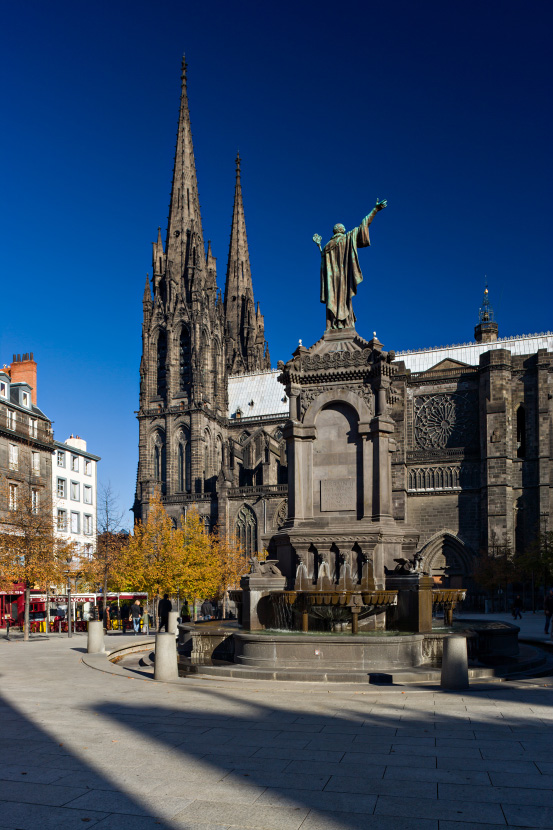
(257, 611)
(413, 611)
(340, 533)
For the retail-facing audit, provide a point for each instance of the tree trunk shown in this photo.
(27, 612)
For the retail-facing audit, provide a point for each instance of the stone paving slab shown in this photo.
(263, 817)
(347, 821)
(524, 816)
(439, 809)
(32, 816)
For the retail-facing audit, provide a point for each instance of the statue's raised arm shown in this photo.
(340, 270)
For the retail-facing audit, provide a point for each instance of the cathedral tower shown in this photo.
(247, 350)
(183, 388)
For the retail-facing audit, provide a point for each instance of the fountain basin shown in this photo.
(328, 651)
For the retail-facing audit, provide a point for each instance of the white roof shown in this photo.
(263, 388)
(421, 360)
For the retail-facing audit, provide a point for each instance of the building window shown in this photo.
(14, 457)
(87, 494)
(33, 427)
(87, 467)
(185, 361)
(184, 467)
(62, 520)
(160, 460)
(87, 520)
(61, 488)
(246, 529)
(10, 418)
(74, 463)
(13, 496)
(3, 389)
(36, 463)
(75, 522)
(161, 364)
(61, 458)
(88, 551)
(25, 399)
(75, 494)
(34, 500)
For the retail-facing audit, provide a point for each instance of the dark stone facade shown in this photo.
(471, 428)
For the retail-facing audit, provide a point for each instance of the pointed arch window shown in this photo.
(246, 529)
(184, 466)
(160, 466)
(185, 359)
(162, 364)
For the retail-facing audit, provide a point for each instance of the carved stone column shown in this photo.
(300, 470)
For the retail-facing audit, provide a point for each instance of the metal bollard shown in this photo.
(165, 667)
(95, 641)
(455, 673)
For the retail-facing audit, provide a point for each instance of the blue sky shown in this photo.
(442, 108)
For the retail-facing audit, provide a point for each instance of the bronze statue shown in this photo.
(340, 270)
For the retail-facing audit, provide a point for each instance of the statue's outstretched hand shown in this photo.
(317, 240)
(381, 204)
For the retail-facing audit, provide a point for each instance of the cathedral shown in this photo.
(471, 454)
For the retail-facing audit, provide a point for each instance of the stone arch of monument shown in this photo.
(448, 559)
(336, 396)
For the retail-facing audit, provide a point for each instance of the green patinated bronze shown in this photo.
(340, 270)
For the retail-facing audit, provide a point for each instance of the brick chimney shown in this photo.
(23, 370)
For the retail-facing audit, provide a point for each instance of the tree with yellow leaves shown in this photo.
(232, 563)
(186, 559)
(30, 552)
(199, 570)
(150, 560)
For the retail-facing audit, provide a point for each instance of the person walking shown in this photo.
(206, 610)
(136, 615)
(548, 611)
(517, 608)
(165, 605)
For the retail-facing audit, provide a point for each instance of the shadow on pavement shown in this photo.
(45, 785)
(314, 766)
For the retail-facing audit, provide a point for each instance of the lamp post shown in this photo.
(69, 629)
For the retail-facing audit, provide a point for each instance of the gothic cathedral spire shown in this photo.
(185, 245)
(246, 350)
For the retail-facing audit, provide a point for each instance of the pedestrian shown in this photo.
(165, 605)
(135, 616)
(548, 610)
(517, 607)
(185, 612)
(206, 610)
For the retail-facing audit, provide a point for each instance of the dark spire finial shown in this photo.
(485, 312)
(184, 67)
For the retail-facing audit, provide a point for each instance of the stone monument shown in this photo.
(340, 533)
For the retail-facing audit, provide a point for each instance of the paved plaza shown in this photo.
(81, 747)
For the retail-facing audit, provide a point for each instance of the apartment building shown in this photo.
(26, 439)
(74, 486)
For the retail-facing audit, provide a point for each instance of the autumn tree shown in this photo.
(30, 551)
(232, 562)
(150, 561)
(535, 562)
(105, 563)
(199, 575)
(495, 568)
